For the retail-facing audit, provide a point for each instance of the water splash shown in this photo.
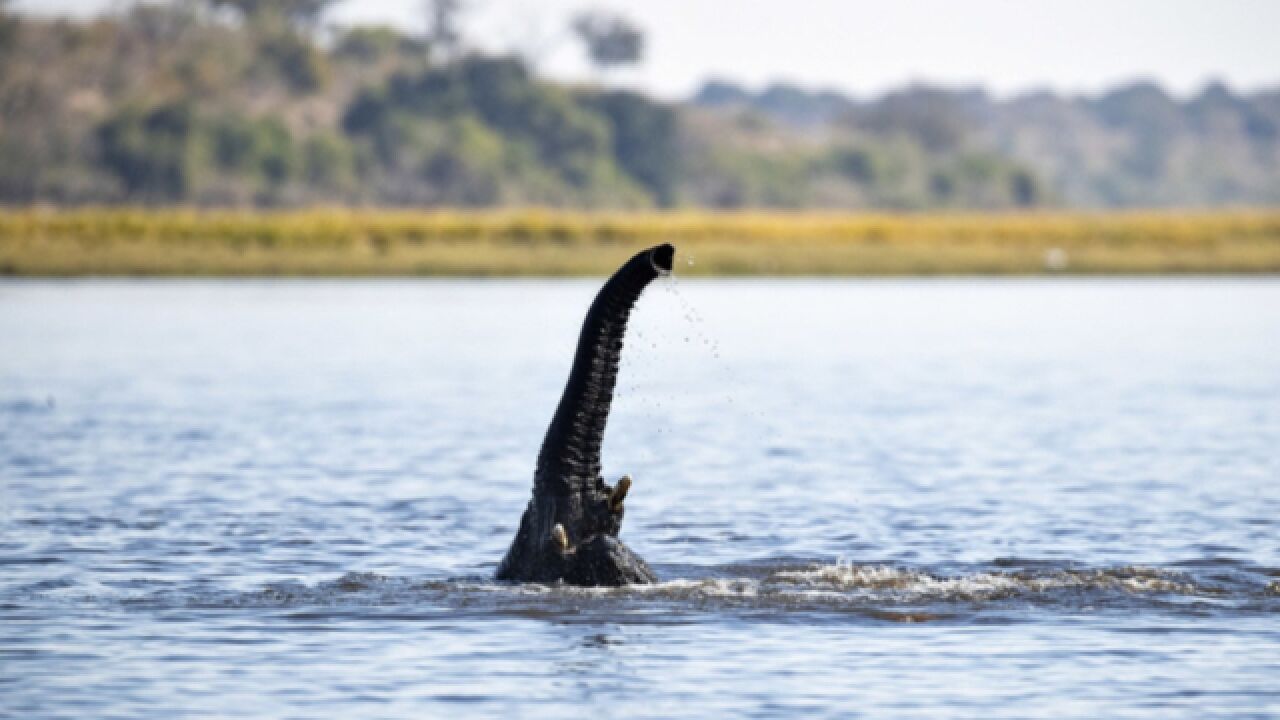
(839, 588)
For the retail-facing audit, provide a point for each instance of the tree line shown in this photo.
(254, 103)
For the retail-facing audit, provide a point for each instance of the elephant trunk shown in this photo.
(570, 452)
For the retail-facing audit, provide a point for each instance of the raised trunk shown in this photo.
(570, 454)
(569, 530)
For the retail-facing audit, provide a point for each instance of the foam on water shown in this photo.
(783, 590)
(991, 585)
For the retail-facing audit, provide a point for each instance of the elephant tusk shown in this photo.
(560, 537)
(619, 493)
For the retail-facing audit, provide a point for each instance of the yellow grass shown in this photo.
(539, 242)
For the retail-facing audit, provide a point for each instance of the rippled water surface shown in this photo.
(999, 498)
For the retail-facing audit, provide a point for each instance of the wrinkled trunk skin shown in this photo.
(567, 487)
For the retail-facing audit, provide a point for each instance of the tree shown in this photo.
(442, 26)
(151, 152)
(284, 31)
(303, 14)
(8, 31)
(645, 139)
(611, 39)
(940, 119)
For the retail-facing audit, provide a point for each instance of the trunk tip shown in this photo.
(663, 257)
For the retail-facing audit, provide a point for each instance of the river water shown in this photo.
(907, 498)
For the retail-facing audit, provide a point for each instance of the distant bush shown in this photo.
(645, 136)
(8, 34)
(301, 64)
(505, 136)
(151, 151)
(249, 104)
(172, 152)
(370, 45)
(328, 162)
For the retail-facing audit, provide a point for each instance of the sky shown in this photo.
(866, 47)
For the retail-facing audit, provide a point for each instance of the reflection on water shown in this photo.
(929, 498)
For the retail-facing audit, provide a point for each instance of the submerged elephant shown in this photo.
(569, 531)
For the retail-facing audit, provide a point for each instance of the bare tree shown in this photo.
(304, 14)
(611, 39)
(443, 31)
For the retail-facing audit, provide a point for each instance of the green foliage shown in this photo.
(169, 103)
(1025, 189)
(328, 162)
(856, 164)
(260, 148)
(372, 44)
(611, 39)
(469, 166)
(939, 119)
(151, 151)
(9, 28)
(645, 140)
(303, 13)
(505, 135)
(298, 62)
(170, 152)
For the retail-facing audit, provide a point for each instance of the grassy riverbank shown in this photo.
(325, 242)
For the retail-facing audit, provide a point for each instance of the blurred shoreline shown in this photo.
(253, 104)
(336, 243)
